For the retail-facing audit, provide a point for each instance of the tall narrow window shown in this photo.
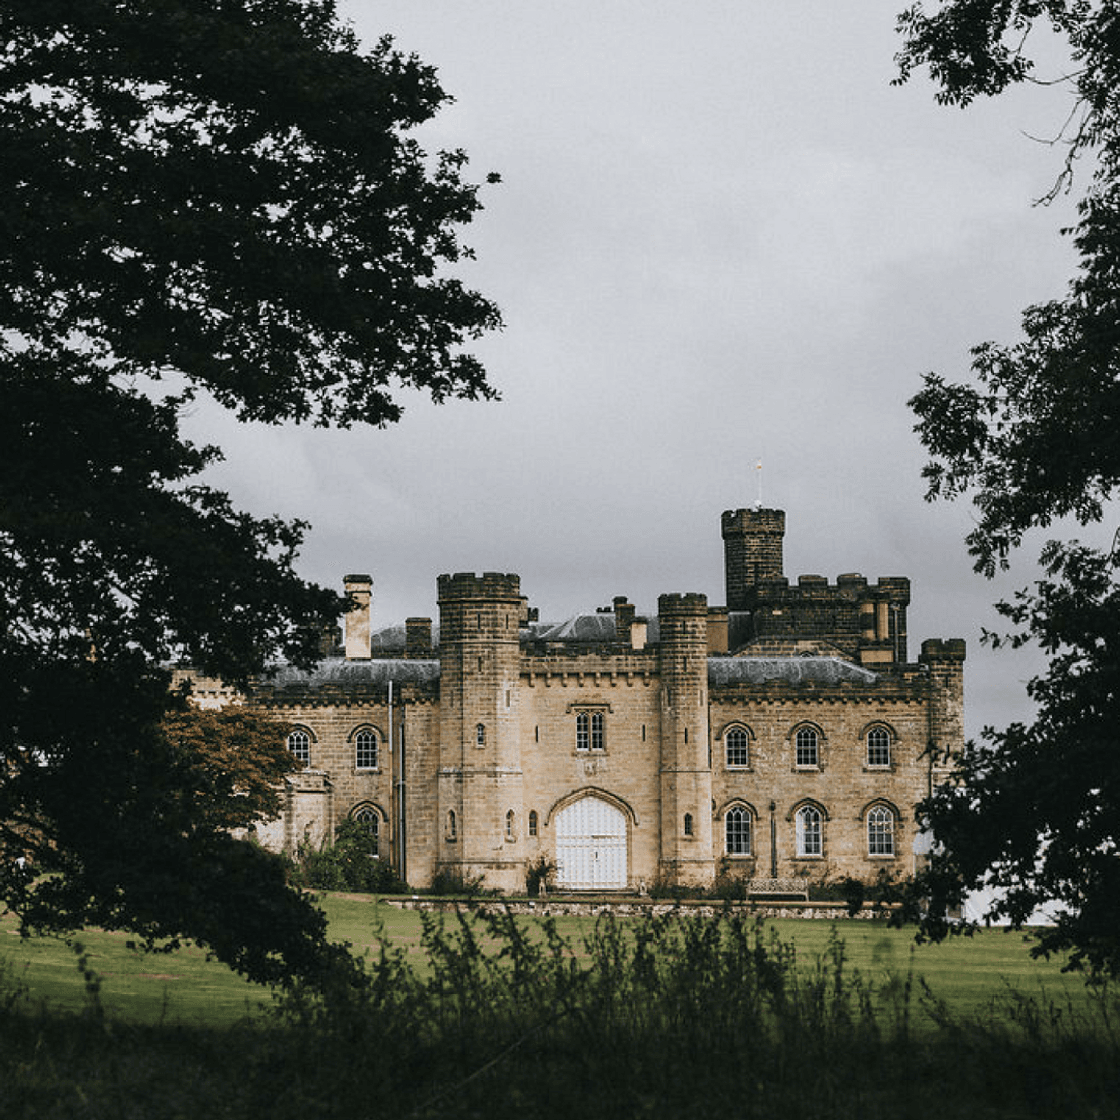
(737, 831)
(688, 824)
(480, 735)
(596, 731)
(583, 732)
(299, 743)
(452, 830)
(365, 750)
(878, 747)
(367, 815)
(807, 752)
(736, 744)
(809, 831)
(510, 819)
(533, 825)
(880, 831)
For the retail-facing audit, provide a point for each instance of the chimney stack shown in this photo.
(418, 637)
(623, 619)
(360, 590)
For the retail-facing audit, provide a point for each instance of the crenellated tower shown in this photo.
(686, 768)
(944, 662)
(480, 783)
(752, 552)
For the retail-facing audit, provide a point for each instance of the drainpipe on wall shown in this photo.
(773, 843)
(402, 799)
(400, 829)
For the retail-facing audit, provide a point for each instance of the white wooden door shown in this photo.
(591, 846)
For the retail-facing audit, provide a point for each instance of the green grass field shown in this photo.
(185, 987)
(591, 1019)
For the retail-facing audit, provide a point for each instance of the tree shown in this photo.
(1034, 438)
(195, 197)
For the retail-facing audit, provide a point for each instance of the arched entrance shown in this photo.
(591, 846)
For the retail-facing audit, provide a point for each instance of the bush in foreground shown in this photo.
(669, 1014)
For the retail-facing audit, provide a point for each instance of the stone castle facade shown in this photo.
(786, 734)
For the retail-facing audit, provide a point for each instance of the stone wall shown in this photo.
(625, 689)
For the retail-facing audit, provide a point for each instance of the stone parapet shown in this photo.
(468, 585)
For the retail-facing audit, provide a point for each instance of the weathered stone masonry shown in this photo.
(784, 734)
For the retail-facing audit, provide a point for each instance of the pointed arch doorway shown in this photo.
(591, 846)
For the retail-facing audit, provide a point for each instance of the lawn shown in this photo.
(185, 987)
(630, 1019)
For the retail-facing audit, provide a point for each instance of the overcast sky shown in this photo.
(721, 236)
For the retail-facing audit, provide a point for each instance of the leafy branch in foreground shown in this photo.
(1033, 810)
(195, 199)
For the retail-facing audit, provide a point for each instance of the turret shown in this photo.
(480, 778)
(944, 661)
(752, 551)
(686, 775)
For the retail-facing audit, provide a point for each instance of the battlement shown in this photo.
(690, 603)
(468, 585)
(948, 649)
(768, 522)
(851, 585)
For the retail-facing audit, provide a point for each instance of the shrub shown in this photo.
(452, 881)
(350, 863)
(539, 874)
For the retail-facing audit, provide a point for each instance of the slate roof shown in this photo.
(791, 670)
(341, 673)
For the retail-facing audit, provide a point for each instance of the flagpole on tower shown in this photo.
(758, 468)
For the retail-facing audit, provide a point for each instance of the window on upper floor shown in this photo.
(590, 731)
(737, 831)
(299, 743)
(807, 747)
(878, 747)
(365, 750)
(480, 735)
(533, 822)
(510, 821)
(809, 831)
(737, 745)
(880, 831)
(688, 824)
(451, 829)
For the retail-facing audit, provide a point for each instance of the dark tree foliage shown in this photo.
(196, 196)
(1034, 437)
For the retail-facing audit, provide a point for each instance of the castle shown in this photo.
(786, 734)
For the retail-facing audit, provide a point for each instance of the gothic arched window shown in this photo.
(880, 831)
(737, 831)
(365, 750)
(809, 829)
(299, 743)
